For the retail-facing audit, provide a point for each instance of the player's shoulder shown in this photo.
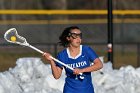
(62, 52)
(85, 47)
(62, 55)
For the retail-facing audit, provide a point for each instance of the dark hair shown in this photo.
(63, 37)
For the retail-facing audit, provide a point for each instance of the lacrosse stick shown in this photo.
(12, 36)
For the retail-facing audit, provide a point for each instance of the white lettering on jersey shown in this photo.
(78, 64)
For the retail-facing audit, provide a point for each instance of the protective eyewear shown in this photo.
(75, 35)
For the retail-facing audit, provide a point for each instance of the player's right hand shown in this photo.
(47, 56)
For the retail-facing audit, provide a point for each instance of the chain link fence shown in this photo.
(44, 34)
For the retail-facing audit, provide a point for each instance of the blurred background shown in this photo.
(42, 21)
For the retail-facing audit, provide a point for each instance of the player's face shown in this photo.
(75, 37)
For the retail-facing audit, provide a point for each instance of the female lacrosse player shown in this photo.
(78, 57)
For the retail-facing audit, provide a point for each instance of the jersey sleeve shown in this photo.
(91, 54)
(60, 58)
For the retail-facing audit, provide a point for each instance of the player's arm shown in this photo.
(56, 71)
(97, 65)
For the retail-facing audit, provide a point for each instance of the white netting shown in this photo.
(12, 36)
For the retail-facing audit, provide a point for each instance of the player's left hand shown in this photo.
(76, 71)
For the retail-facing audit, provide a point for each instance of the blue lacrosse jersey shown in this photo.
(73, 84)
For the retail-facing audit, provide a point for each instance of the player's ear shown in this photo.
(68, 38)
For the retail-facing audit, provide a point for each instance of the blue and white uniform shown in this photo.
(83, 60)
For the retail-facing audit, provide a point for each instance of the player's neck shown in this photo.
(74, 49)
(74, 52)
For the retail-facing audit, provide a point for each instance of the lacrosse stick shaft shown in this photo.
(63, 64)
(51, 57)
(38, 50)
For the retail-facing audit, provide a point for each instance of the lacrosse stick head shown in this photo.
(12, 36)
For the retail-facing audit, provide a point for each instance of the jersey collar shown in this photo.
(68, 52)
